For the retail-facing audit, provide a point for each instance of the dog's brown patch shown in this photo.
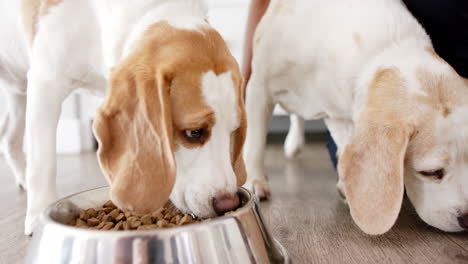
(441, 91)
(29, 17)
(386, 89)
(47, 5)
(31, 11)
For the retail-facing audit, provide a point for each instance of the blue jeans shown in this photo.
(331, 146)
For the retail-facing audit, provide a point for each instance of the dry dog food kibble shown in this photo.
(109, 217)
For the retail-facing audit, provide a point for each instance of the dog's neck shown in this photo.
(123, 24)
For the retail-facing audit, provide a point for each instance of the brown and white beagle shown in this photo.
(397, 111)
(172, 123)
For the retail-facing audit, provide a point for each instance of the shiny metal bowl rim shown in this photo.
(46, 219)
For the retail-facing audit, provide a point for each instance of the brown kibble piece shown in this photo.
(91, 212)
(176, 219)
(146, 220)
(167, 216)
(162, 223)
(109, 204)
(186, 219)
(119, 217)
(132, 218)
(125, 226)
(107, 226)
(177, 212)
(81, 223)
(100, 215)
(107, 210)
(84, 216)
(118, 226)
(101, 225)
(114, 213)
(160, 211)
(93, 222)
(127, 215)
(157, 216)
(106, 218)
(133, 222)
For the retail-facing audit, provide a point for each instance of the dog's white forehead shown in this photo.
(219, 93)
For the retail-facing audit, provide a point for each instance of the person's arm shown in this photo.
(256, 10)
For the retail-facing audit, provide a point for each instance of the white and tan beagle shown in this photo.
(172, 123)
(397, 111)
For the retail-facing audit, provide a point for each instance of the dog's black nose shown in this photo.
(463, 221)
(225, 203)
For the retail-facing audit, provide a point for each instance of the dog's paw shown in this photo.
(260, 187)
(30, 224)
(293, 144)
(36, 205)
(21, 183)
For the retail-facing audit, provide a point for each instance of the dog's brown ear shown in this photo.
(372, 170)
(238, 137)
(237, 142)
(372, 165)
(134, 130)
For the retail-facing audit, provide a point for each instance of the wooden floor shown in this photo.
(305, 214)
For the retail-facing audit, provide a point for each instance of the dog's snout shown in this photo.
(463, 221)
(225, 203)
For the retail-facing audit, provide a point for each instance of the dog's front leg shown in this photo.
(42, 114)
(259, 107)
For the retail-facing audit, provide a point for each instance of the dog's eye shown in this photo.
(437, 174)
(195, 135)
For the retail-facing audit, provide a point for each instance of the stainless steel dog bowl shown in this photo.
(237, 238)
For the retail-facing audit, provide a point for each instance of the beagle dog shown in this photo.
(397, 111)
(172, 124)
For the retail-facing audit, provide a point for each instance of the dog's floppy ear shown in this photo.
(372, 165)
(238, 137)
(238, 142)
(372, 171)
(135, 134)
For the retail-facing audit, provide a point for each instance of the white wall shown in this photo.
(229, 18)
